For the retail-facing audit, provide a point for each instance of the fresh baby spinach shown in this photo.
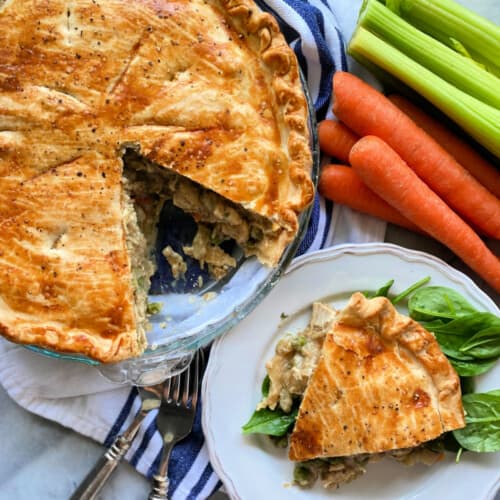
(472, 368)
(485, 344)
(383, 291)
(434, 302)
(272, 422)
(465, 326)
(410, 290)
(482, 417)
(469, 338)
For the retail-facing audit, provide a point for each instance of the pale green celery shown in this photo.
(458, 47)
(447, 21)
(462, 72)
(390, 83)
(478, 119)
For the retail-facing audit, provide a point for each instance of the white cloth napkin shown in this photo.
(79, 397)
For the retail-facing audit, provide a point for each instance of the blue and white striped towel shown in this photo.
(77, 396)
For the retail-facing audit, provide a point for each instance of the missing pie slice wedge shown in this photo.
(207, 91)
(382, 384)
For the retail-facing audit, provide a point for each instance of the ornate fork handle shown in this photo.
(160, 481)
(159, 488)
(99, 474)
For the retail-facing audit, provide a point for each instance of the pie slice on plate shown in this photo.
(205, 100)
(381, 383)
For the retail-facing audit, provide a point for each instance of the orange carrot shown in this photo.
(368, 112)
(342, 184)
(486, 173)
(335, 139)
(384, 171)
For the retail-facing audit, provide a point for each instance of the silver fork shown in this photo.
(176, 417)
(100, 473)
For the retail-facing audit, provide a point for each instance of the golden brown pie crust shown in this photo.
(382, 383)
(209, 89)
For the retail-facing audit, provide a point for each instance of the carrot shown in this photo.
(342, 184)
(335, 139)
(486, 173)
(368, 112)
(384, 171)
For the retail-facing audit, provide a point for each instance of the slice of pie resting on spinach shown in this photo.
(380, 386)
(107, 110)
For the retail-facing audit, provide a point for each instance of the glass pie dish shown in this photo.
(198, 308)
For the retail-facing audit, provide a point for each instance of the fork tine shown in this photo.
(185, 393)
(166, 388)
(191, 378)
(200, 366)
(165, 393)
(171, 390)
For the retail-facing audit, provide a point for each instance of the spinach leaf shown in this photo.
(451, 344)
(271, 422)
(410, 290)
(475, 405)
(472, 368)
(381, 292)
(482, 417)
(465, 326)
(438, 302)
(266, 384)
(468, 341)
(384, 290)
(484, 344)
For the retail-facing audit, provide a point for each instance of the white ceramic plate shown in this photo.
(251, 467)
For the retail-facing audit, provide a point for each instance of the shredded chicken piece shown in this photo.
(205, 252)
(295, 359)
(177, 264)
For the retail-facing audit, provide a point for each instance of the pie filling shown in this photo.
(142, 267)
(146, 187)
(333, 472)
(296, 356)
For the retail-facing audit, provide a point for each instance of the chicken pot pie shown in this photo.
(97, 97)
(371, 382)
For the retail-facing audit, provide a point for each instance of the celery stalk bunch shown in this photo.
(458, 85)
(455, 26)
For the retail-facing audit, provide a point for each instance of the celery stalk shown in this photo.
(462, 72)
(478, 119)
(450, 22)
